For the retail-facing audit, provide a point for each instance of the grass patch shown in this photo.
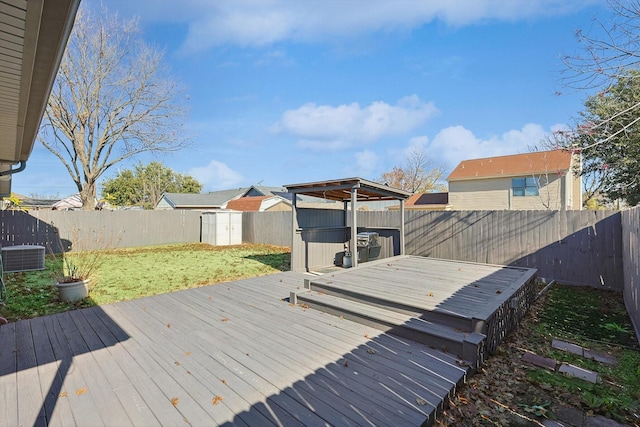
(137, 272)
(596, 319)
(587, 315)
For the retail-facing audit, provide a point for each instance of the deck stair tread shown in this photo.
(368, 297)
(388, 316)
(461, 342)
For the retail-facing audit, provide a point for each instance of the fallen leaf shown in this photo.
(177, 363)
(210, 297)
(346, 363)
(144, 308)
(303, 305)
(225, 319)
(430, 294)
(421, 401)
(341, 317)
(216, 400)
(81, 391)
(371, 351)
(175, 401)
(291, 304)
(63, 394)
(189, 372)
(187, 353)
(169, 325)
(498, 292)
(367, 336)
(224, 382)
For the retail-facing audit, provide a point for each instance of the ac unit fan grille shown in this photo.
(22, 258)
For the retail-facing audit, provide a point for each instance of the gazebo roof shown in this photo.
(340, 190)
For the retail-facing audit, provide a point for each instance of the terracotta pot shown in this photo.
(74, 291)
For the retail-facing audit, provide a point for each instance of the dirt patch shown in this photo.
(509, 392)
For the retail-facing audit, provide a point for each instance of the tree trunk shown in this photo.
(88, 197)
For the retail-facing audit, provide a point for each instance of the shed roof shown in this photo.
(513, 165)
(340, 190)
(251, 203)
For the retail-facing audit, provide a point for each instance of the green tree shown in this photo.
(609, 138)
(111, 101)
(144, 185)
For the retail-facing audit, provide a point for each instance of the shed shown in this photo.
(222, 227)
(317, 241)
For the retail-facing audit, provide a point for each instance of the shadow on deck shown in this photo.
(460, 307)
(234, 354)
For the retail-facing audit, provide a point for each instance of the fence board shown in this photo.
(631, 244)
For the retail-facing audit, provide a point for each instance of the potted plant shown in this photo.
(73, 273)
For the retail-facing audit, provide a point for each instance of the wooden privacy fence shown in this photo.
(581, 247)
(631, 264)
(574, 247)
(98, 229)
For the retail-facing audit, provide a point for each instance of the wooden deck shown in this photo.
(229, 354)
(465, 307)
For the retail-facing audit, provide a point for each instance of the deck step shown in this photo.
(435, 315)
(464, 344)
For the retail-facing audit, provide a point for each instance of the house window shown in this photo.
(525, 186)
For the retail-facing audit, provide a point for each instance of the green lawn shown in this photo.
(137, 272)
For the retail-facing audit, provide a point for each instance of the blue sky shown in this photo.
(287, 91)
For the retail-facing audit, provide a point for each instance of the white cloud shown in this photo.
(329, 127)
(216, 176)
(261, 23)
(455, 143)
(366, 163)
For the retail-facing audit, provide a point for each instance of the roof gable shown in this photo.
(539, 162)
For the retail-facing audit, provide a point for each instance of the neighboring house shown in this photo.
(259, 204)
(538, 180)
(37, 204)
(426, 202)
(213, 200)
(221, 199)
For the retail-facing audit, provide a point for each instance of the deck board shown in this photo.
(8, 375)
(469, 290)
(273, 364)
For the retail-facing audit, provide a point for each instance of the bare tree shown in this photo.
(611, 48)
(420, 173)
(593, 178)
(110, 101)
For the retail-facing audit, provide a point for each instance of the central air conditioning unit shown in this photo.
(22, 258)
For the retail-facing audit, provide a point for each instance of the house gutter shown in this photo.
(23, 165)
